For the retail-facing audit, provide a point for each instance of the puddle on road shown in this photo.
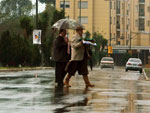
(23, 91)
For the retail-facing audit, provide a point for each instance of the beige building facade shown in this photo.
(94, 14)
(122, 22)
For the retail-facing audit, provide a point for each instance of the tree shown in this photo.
(5, 48)
(25, 23)
(57, 15)
(15, 50)
(87, 34)
(43, 25)
(47, 41)
(100, 40)
(101, 44)
(14, 8)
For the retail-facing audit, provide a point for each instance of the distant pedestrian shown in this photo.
(61, 56)
(79, 59)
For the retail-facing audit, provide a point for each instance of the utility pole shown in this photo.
(130, 29)
(39, 46)
(110, 5)
(110, 21)
(36, 14)
(130, 39)
(80, 13)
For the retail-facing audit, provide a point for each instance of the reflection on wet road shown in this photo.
(116, 91)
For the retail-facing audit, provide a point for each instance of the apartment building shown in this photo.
(94, 14)
(124, 23)
(132, 22)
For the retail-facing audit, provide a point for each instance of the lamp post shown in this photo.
(36, 14)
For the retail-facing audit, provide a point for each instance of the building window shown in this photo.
(118, 7)
(118, 42)
(84, 19)
(127, 27)
(84, 4)
(67, 4)
(118, 23)
(141, 10)
(141, 24)
(127, 12)
(127, 41)
(110, 5)
(128, 21)
(118, 34)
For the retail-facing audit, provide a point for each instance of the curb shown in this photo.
(145, 75)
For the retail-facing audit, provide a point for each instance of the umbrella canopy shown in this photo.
(67, 24)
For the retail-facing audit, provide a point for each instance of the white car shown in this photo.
(107, 62)
(134, 64)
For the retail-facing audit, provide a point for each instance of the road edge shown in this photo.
(145, 74)
(25, 69)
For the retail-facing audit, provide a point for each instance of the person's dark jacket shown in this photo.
(60, 50)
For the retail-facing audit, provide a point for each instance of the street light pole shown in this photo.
(36, 14)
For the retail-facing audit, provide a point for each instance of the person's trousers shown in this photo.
(60, 72)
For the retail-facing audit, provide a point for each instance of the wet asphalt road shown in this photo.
(116, 91)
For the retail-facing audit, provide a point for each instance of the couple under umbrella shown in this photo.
(79, 53)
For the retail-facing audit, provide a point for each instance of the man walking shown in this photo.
(61, 56)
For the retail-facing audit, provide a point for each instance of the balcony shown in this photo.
(141, 1)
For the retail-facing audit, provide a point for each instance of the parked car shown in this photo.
(107, 62)
(134, 64)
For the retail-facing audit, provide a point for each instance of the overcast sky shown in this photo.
(41, 6)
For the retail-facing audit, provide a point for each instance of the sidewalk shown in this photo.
(7, 69)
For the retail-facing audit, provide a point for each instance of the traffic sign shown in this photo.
(110, 50)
